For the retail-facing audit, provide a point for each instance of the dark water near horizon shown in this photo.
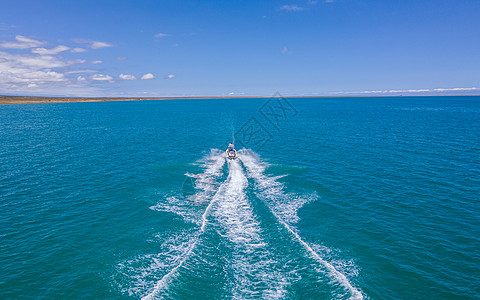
(331, 198)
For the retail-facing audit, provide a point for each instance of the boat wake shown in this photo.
(244, 244)
(271, 191)
(252, 263)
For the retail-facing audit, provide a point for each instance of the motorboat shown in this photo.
(231, 153)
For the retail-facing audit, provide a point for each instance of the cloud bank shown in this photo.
(21, 42)
(26, 66)
(31, 66)
(412, 91)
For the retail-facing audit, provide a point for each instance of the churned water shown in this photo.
(330, 198)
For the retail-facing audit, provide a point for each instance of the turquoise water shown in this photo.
(331, 198)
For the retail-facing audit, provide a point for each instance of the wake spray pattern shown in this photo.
(155, 269)
(206, 183)
(253, 264)
(271, 191)
(235, 247)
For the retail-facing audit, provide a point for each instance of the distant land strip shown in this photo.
(34, 99)
(4, 99)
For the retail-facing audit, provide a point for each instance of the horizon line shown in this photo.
(9, 99)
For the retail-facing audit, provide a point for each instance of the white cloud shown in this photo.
(55, 50)
(23, 69)
(81, 71)
(292, 7)
(30, 61)
(147, 76)
(96, 62)
(78, 50)
(93, 44)
(21, 42)
(35, 73)
(42, 72)
(285, 50)
(456, 89)
(127, 77)
(102, 77)
(160, 35)
(170, 76)
(122, 58)
(98, 45)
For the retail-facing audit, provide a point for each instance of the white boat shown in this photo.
(231, 153)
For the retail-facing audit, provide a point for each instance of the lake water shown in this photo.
(330, 198)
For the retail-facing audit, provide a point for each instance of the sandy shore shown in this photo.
(32, 99)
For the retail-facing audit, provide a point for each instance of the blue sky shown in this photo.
(251, 48)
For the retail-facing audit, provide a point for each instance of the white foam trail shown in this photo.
(234, 211)
(272, 189)
(205, 182)
(178, 206)
(222, 190)
(252, 264)
(235, 214)
(163, 283)
(142, 270)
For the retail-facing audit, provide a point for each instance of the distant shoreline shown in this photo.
(35, 99)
